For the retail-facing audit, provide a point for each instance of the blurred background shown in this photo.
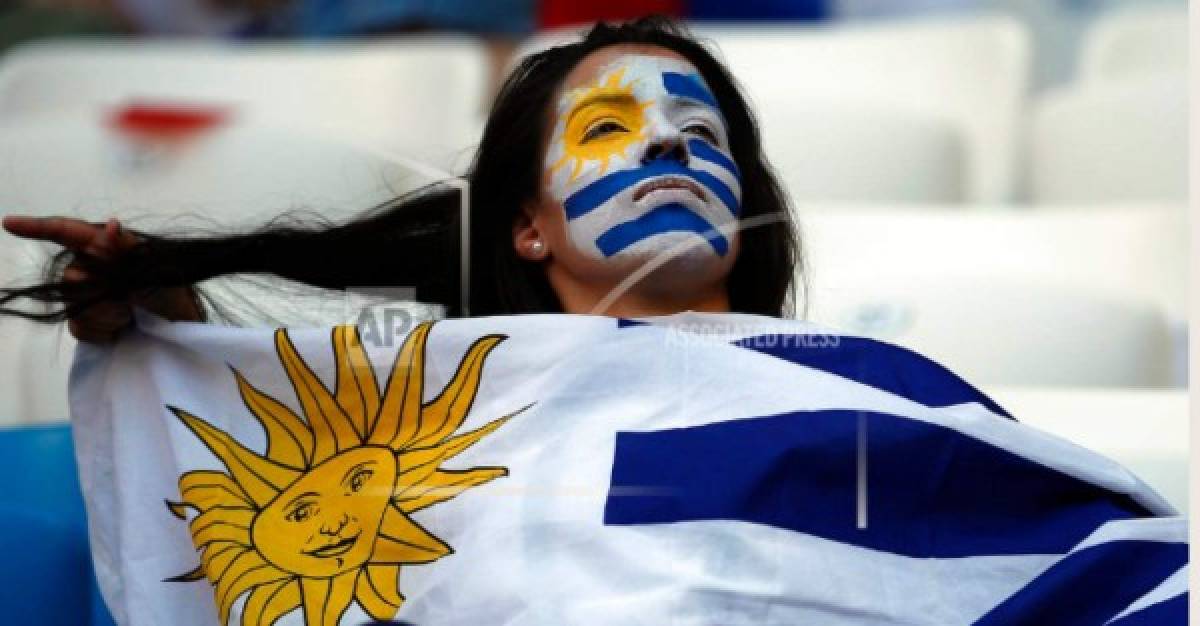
(999, 184)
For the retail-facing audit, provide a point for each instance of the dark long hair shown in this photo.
(405, 242)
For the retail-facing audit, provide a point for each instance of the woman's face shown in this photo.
(637, 168)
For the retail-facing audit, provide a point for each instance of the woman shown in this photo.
(666, 141)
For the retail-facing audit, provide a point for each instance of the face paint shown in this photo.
(623, 186)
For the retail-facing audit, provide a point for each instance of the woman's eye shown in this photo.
(702, 130)
(602, 129)
(360, 479)
(301, 513)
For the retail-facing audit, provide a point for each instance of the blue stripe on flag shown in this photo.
(689, 86)
(1091, 586)
(881, 365)
(931, 491)
(702, 150)
(1170, 611)
(672, 217)
(597, 193)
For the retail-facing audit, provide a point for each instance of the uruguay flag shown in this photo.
(553, 469)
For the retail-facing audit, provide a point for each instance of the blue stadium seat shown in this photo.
(43, 532)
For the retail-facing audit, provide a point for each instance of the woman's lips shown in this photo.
(669, 182)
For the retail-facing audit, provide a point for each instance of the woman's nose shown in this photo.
(668, 146)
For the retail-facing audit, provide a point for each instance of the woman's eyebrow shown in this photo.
(689, 104)
(600, 98)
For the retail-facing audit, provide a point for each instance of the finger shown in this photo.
(75, 274)
(109, 241)
(120, 237)
(68, 232)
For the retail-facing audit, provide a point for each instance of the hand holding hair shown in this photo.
(90, 246)
(104, 270)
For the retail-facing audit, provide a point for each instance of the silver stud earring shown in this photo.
(536, 247)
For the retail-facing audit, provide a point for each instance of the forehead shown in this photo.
(633, 57)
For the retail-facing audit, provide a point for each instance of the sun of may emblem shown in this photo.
(321, 518)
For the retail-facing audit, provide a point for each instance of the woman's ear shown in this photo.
(527, 237)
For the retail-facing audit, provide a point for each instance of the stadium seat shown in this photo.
(830, 154)
(44, 536)
(34, 364)
(420, 95)
(233, 174)
(1133, 42)
(1146, 430)
(923, 68)
(231, 178)
(993, 331)
(1112, 142)
(853, 79)
(1048, 297)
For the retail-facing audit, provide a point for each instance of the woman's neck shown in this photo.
(594, 300)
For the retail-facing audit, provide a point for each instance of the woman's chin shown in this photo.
(672, 262)
(679, 250)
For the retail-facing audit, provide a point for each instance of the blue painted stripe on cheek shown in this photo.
(715, 185)
(688, 86)
(585, 200)
(704, 151)
(672, 217)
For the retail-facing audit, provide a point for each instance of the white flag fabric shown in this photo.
(557, 469)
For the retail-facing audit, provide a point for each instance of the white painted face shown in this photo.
(640, 161)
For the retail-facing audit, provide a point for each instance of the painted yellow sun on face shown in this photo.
(593, 114)
(322, 518)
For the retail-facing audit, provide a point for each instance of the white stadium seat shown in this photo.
(1146, 430)
(1133, 42)
(1112, 142)
(893, 112)
(233, 173)
(1068, 297)
(846, 154)
(421, 95)
(993, 331)
(233, 177)
(930, 70)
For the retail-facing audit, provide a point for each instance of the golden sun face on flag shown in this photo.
(321, 518)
